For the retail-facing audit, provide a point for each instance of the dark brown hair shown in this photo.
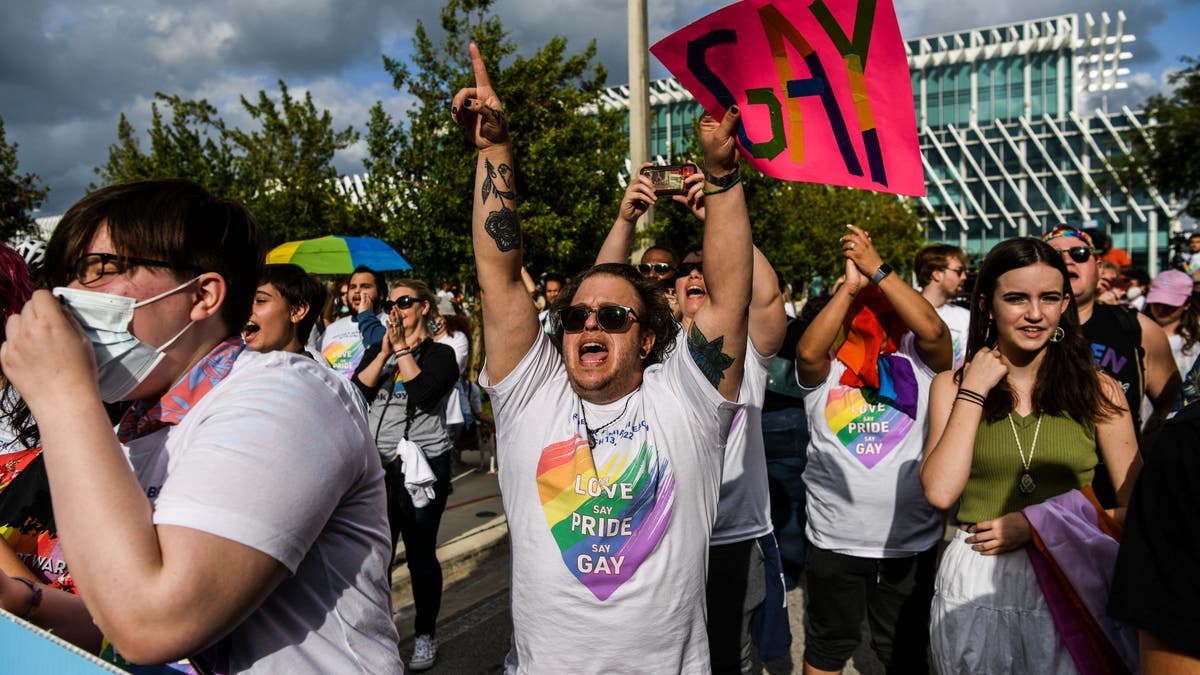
(1068, 361)
(175, 221)
(655, 315)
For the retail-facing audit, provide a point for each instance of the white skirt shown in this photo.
(989, 616)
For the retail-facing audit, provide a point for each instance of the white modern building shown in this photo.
(1014, 130)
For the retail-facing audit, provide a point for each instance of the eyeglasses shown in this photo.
(1079, 254)
(685, 269)
(611, 318)
(403, 302)
(655, 268)
(957, 270)
(92, 267)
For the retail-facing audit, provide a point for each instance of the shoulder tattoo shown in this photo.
(708, 355)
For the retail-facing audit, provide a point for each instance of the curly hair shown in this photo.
(16, 286)
(655, 316)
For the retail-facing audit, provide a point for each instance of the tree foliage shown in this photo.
(20, 193)
(423, 174)
(1169, 150)
(282, 169)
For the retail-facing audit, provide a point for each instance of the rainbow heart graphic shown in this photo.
(869, 431)
(606, 523)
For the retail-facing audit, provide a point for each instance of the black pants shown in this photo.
(736, 586)
(419, 527)
(892, 593)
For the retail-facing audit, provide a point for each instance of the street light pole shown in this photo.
(639, 96)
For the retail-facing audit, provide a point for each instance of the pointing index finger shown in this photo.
(481, 76)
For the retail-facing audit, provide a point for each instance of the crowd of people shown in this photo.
(209, 462)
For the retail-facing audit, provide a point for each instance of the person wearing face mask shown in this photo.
(408, 378)
(236, 485)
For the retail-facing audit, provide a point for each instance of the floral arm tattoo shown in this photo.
(502, 225)
(708, 355)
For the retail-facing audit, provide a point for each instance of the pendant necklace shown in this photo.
(591, 433)
(1026, 486)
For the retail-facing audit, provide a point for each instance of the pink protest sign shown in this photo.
(823, 87)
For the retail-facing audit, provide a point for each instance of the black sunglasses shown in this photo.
(91, 267)
(403, 302)
(655, 268)
(611, 318)
(685, 269)
(1079, 254)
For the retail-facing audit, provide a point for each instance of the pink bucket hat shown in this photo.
(1170, 288)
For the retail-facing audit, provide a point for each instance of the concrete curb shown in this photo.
(460, 557)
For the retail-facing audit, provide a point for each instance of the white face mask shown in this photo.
(1133, 292)
(122, 360)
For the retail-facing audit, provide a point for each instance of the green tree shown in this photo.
(20, 193)
(1170, 147)
(423, 174)
(282, 169)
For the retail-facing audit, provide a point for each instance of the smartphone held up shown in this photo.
(668, 179)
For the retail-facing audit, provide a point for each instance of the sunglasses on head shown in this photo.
(403, 302)
(655, 268)
(610, 318)
(1079, 254)
(685, 269)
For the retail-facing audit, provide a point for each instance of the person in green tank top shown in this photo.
(1020, 423)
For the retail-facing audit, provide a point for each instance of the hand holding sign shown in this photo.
(819, 103)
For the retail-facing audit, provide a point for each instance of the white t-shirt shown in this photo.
(278, 457)
(462, 348)
(342, 344)
(609, 546)
(864, 461)
(744, 509)
(958, 320)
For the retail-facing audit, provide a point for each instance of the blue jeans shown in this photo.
(785, 437)
(419, 527)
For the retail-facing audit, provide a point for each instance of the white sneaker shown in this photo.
(424, 653)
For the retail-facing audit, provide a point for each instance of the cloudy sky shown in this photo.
(69, 69)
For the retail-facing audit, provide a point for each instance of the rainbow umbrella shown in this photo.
(336, 254)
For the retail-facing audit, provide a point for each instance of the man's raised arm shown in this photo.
(509, 316)
(717, 339)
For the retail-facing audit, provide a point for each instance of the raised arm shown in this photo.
(509, 315)
(932, 337)
(717, 339)
(639, 196)
(768, 322)
(812, 352)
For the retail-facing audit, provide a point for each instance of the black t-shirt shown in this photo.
(27, 517)
(1157, 581)
(1115, 337)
